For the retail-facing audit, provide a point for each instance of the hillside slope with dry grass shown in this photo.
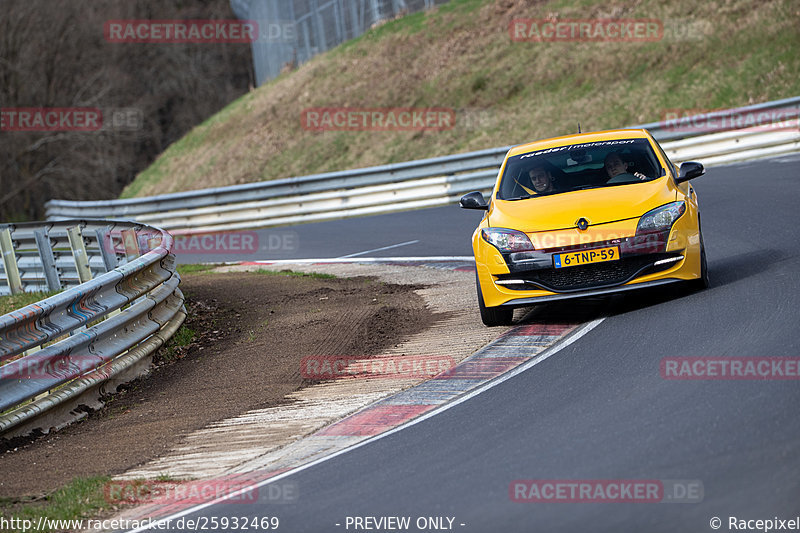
(715, 54)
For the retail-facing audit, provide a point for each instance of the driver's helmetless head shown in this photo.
(614, 165)
(541, 179)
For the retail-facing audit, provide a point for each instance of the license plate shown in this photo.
(585, 257)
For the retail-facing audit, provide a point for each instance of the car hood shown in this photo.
(597, 206)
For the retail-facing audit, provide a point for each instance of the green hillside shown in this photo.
(714, 54)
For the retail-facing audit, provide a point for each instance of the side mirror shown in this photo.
(473, 200)
(689, 170)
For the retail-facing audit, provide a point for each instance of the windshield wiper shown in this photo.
(584, 187)
(517, 198)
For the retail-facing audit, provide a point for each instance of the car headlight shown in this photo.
(507, 240)
(661, 218)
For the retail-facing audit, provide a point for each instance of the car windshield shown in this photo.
(579, 166)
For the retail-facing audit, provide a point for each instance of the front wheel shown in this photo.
(703, 282)
(493, 316)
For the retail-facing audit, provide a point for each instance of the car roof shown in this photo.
(578, 139)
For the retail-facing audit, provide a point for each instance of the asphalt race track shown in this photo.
(599, 408)
(438, 231)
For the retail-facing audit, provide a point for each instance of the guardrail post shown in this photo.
(106, 249)
(109, 254)
(131, 244)
(10, 261)
(79, 254)
(48, 260)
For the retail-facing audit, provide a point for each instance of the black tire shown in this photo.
(703, 282)
(493, 316)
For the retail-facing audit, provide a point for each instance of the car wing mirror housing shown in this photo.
(690, 170)
(473, 200)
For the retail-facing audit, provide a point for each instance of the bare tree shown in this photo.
(54, 54)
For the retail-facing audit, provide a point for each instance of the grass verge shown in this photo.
(317, 275)
(82, 498)
(461, 56)
(176, 346)
(16, 301)
(194, 269)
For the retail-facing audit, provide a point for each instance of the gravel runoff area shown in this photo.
(242, 371)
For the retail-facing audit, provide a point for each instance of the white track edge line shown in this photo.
(379, 249)
(546, 354)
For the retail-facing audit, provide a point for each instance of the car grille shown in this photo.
(589, 276)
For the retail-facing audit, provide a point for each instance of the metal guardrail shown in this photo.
(715, 121)
(96, 333)
(303, 199)
(422, 183)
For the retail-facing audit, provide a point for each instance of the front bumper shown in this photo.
(527, 278)
(585, 277)
(522, 302)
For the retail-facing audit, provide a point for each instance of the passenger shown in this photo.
(617, 169)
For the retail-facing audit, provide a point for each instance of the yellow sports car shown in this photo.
(585, 215)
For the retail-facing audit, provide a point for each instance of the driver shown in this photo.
(541, 179)
(617, 169)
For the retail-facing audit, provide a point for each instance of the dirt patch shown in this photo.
(251, 331)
